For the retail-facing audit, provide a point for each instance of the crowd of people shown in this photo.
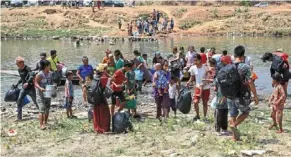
(150, 25)
(230, 78)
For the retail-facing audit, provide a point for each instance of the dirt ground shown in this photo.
(52, 21)
(180, 136)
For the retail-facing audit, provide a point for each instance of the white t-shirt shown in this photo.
(200, 74)
(247, 60)
(172, 91)
(190, 57)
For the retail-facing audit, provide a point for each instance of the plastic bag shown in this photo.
(12, 95)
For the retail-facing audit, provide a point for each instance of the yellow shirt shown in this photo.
(54, 63)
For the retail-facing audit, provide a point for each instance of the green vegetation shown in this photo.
(214, 13)
(246, 3)
(187, 24)
(179, 12)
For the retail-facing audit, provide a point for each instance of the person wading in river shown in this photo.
(26, 78)
(42, 57)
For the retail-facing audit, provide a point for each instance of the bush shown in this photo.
(185, 25)
(214, 13)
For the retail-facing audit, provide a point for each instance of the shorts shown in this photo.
(173, 104)
(119, 95)
(205, 94)
(68, 104)
(235, 107)
(44, 105)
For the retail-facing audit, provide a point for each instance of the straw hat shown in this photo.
(101, 67)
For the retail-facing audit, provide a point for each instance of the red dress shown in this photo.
(101, 114)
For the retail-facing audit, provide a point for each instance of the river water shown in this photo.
(71, 55)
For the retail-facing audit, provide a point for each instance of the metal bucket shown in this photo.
(50, 91)
(64, 71)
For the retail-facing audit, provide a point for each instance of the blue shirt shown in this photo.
(85, 70)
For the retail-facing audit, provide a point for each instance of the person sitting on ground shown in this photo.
(277, 101)
(117, 87)
(69, 94)
(202, 90)
(26, 79)
(42, 57)
(238, 105)
(83, 71)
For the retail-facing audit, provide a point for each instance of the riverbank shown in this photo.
(55, 22)
(179, 137)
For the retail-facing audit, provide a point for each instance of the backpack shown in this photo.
(229, 79)
(184, 100)
(283, 55)
(277, 63)
(121, 122)
(95, 92)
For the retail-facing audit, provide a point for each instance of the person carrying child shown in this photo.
(277, 101)
(160, 84)
(69, 94)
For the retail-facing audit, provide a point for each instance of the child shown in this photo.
(172, 93)
(277, 101)
(69, 94)
(130, 86)
(111, 65)
(160, 80)
(138, 78)
(145, 58)
(211, 71)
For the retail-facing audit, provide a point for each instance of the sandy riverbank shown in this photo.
(189, 20)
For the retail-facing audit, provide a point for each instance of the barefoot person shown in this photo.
(26, 79)
(277, 101)
(69, 94)
(83, 71)
(202, 90)
(43, 78)
(242, 101)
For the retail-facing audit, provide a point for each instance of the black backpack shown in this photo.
(230, 80)
(277, 64)
(95, 92)
(121, 122)
(184, 100)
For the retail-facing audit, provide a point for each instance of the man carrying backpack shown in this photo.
(236, 84)
(279, 65)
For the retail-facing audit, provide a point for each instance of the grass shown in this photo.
(179, 12)
(187, 24)
(179, 135)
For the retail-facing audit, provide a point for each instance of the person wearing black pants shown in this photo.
(26, 78)
(221, 120)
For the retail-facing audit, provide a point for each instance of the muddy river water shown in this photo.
(71, 55)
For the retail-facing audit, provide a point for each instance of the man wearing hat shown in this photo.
(42, 57)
